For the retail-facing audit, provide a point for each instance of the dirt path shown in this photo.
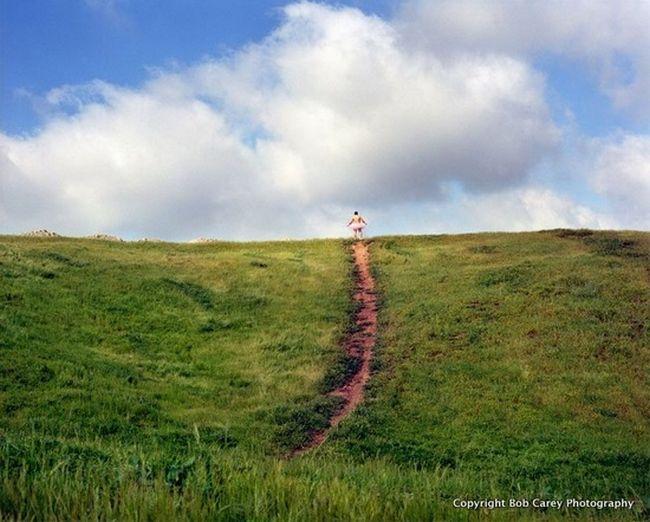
(358, 343)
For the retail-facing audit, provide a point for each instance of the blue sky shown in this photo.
(564, 141)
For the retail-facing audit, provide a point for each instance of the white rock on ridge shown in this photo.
(41, 233)
(203, 240)
(104, 237)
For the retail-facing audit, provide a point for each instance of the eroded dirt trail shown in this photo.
(359, 343)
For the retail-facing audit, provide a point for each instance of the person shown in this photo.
(357, 224)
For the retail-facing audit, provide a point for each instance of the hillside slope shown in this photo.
(157, 342)
(521, 359)
(168, 381)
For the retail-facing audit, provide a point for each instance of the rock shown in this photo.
(104, 237)
(203, 240)
(150, 240)
(41, 233)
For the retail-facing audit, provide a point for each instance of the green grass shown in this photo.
(158, 341)
(519, 358)
(164, 382)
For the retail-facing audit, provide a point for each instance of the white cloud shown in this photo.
(284, 137)
(611, 37)
(622, 175)
(112, 10)
(347, 113)
(518, 209)
(534, 208)
(325, 113)
(134, 161)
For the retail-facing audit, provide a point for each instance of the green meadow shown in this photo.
(161, 381)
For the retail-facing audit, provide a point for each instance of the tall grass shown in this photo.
(522, 358)
(167, 382)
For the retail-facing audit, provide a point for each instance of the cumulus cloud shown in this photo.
(347, 113)
(533, 208)
(518, 209)
(333, 110)
(326, 112)
(134, 161)
(610, 37)
(622, 174)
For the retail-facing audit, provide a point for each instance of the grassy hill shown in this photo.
(161, 381)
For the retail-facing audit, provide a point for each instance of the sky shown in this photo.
(259, 119)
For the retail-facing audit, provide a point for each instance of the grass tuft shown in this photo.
(202, 296)
(296, 423)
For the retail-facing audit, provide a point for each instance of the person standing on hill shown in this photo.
(357, 224)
